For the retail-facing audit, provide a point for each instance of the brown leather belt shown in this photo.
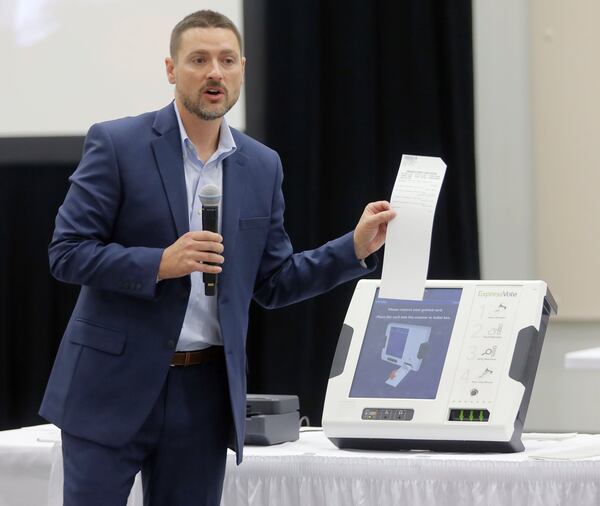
(186, 358)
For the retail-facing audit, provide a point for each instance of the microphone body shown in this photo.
(210, 196)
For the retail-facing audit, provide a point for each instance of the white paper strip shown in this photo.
(408, 239)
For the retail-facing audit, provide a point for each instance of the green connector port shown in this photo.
(469, 415)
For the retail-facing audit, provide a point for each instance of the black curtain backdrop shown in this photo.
(341, 90)
(34, 308)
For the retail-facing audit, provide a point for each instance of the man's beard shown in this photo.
(203, 112)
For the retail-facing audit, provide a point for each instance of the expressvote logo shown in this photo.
(504, 293)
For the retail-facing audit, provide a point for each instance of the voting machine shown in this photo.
(453, 372)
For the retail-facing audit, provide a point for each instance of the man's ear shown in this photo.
(170, 68)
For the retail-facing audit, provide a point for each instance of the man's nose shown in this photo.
(215, 73)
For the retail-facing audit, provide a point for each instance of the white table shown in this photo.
(312, 472)
(583, 359)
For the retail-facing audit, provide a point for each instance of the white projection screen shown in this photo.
(71, 63)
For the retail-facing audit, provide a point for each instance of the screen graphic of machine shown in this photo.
(405, 345)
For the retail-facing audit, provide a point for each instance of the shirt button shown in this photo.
(171, 344)
(199, 211)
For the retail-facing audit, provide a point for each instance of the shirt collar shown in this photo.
(226, 144)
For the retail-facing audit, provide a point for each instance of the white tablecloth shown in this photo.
(313, 472)
(25, 464)
(31, 468)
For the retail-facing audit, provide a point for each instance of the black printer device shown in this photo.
(271, 419)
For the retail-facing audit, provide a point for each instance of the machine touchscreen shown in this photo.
(405, 345)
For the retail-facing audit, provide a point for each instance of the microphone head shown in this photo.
(209, 195)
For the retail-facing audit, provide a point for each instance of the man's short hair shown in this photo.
(201, 19)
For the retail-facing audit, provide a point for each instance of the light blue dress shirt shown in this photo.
(201, 324)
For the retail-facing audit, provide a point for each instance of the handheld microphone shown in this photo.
(210, 196)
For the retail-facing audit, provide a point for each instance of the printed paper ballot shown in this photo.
(408, 239)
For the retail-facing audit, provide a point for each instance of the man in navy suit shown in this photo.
(150, 373)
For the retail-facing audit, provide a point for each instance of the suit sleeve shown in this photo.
(285, 277)
(81, 250)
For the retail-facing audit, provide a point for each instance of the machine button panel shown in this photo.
(387, 414)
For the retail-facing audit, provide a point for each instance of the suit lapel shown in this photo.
(169, 159)
(234, 187)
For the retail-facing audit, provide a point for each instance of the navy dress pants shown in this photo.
(181, 448)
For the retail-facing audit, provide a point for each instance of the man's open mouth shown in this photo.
(214, 92)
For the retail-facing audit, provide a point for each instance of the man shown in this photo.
(150, 373)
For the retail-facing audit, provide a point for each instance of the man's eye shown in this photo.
(229, 61)
(198, 61)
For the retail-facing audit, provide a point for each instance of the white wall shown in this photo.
(565, 46)
(508, 181)
(503, 139)
(70, 63)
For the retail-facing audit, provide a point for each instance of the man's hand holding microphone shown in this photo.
(199, 250)
(194, 251)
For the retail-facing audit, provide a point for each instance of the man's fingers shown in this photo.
(205, 236)
(192, 252)
(205, 256)
(204, 262)
(195, 245)
(215, 247)
(380, 205)
(382, 217)
(209, 269)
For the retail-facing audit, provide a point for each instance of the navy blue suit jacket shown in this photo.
(126, 203)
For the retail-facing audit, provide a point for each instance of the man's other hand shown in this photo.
(190, 253)
(369, 234)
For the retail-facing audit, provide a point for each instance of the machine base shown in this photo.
(513, 446)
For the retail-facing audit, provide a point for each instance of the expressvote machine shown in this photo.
(453, 372)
